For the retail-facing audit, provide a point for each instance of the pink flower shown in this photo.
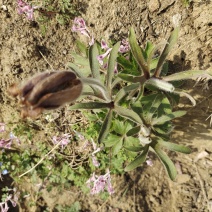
(6, 144)
(124, 47)
(104, 45)
(10, 198)
(98, 184)
(80, 26)
(101, 57)
(64, 140)
(25, 8)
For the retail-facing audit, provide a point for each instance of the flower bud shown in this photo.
(48, 90)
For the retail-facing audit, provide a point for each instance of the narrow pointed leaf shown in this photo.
(105, 126)
(90, 106)
(139, 160)
(170, 43)
(97, 84)
(168, 164)
(168, 117)
(137, 53)
(129, 78)
(112, 64)
(94, 63)
(175, 147)
(129, 114)
(192, 74)
(133, 131)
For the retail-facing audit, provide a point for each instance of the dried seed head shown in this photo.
(48, 90)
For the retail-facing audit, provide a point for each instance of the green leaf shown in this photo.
(153, 64)
(125, 63)
(116, 148)
(170, 43)
(168, 164)
(77, 70)
(97, 84)
(129, 114)
(105, 126)
(111, 140)
(168, 117)
(133, 131)
(129, 78)
(164, 129)
(192, 74)
(82, 47)
(112, 64)
(90, 106)
(121, 127)
(131, 141)
(82, 63)
(150, 108)
(139, 160)
(134, 148)
(137, 53)
(175, 147)
(94, 63)
(125, 90)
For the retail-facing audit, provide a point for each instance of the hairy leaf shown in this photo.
(112, 64)
(94, 63)
(139, 160)
(137, 53)
(168, 117)
(170, 43)
(175, 147)
(129, 114)
(105, 126)
(168, 164)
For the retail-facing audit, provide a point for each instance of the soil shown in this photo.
(148, 188)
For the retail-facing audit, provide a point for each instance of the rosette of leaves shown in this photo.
(137, 101)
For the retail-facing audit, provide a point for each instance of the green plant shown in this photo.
(132, 97)
(138, 102)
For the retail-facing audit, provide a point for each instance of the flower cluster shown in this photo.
(80, 26)
(98, 184)
(25, 8)
(64, 140)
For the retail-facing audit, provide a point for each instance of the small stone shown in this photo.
(153, 5)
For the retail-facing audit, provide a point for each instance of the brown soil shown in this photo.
(147, 188)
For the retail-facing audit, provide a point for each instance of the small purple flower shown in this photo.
(6, 144)
(25, 8)
(80, 26)
(10, 198)
(101, 57)
(124, 47)
(2, 127)
(64, 140)
(104, 45)
(98, 184)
